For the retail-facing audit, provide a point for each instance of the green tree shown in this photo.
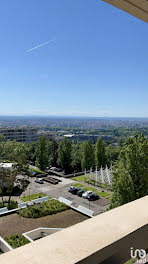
(20, 154)
(112, 153)
(2, 186)
(7, 182)
(64, 155)
(14, 151)
(88, 157)
(10, 182)
(76, 157)
(32, 152)
(121, 142)
(122, 186)
(100, 154)
(7, 150)
(52, 147)
(42, 153)
(130, 177)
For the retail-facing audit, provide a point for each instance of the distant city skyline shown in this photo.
(72, 58)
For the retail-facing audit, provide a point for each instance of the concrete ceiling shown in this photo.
(137, 8)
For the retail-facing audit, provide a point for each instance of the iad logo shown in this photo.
(140, 254)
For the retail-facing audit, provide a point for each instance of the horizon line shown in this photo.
(71, 116)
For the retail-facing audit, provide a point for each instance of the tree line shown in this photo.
(71, 157)
(129, 160)
(74, 157)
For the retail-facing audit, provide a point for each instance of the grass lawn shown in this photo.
(78, 185)
(89, 181)
(105, 186)
(32, 197)
(45, 208)
(82, 179)
(101, 194)
(99, 185)
(79, 178)
(104, 194)
(16, 241)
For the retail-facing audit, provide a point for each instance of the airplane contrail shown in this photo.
(34, 48)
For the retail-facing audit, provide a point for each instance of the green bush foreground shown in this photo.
(16, 241)
(45, 208)
(12, 205)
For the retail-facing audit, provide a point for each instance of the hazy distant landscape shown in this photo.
(73, 122)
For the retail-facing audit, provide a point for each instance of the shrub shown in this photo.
(1, 205)
(16, 241)
(12, 205)
(45, 208)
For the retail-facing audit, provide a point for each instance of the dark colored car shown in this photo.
(80, 192)
(70, 188)
(93, 197)
(73, 190)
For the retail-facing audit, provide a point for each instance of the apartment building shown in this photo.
(48, 134)
(20, 134)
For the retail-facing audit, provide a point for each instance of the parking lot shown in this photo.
(61, 190)
(98, 206)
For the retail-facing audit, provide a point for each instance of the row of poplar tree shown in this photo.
(70, 157)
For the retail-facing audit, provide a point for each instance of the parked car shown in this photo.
(86, 194)
(80, 192)
(39, 180)
(55, 169)
(70, 188)
(73, 190)
(93, 197)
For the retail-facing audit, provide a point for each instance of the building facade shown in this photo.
(20, 134)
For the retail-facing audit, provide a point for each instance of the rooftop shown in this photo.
(137, 8)
(109, 235)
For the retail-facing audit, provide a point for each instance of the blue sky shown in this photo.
(97, 64)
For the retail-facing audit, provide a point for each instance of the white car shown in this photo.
(39, 180)
(86, 194)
